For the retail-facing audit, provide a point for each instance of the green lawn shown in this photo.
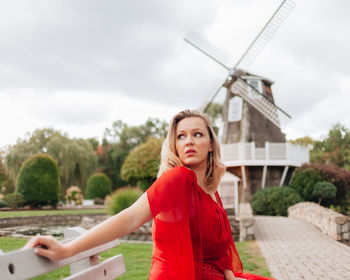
(26, 213)
(137, 258)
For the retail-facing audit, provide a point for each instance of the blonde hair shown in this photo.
(169, 156)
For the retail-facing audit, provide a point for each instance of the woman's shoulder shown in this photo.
(179, 172)
(172, 181)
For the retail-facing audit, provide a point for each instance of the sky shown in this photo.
(79, 65)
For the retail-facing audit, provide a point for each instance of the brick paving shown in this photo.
(295, 250)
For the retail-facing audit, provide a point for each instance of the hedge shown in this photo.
(38, 181)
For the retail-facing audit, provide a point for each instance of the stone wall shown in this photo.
(143, 233)
(246, 222)
(331, 223)
(234, 223)
(51, 220)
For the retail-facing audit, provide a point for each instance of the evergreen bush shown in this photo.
(39, 181)
(14, 200)
(274, 201)
(122, 199)
(304, 180)
(324, 190)
(98, 185)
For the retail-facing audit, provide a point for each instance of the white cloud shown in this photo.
(79, 65)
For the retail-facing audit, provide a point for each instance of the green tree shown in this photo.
(2, 168)
(38, 181)
(324, 190)
(110, 161)
(119, 140)
(214, 111)
(98, 186)
(128, 137)
(141, 165)
(334, 148)
(75, 157)
(94, 143)
(303, 141)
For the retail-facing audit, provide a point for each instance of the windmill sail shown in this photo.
(203, 45)
(266, 33)
(263, 105)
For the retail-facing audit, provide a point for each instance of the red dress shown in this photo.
(191, 232)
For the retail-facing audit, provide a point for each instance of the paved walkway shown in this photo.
(295, 250)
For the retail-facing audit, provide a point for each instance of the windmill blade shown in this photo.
(263, 105)
(266, 33)
(203, 45)
(212, 99)
(263, 96)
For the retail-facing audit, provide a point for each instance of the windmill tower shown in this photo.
(248, 116)
(254, 147)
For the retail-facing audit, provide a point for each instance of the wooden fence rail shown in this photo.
(24, 264)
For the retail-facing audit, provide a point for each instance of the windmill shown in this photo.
(245, 92)
(250, 114)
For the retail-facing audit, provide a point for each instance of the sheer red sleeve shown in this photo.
(172, 202)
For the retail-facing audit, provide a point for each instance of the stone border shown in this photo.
(50, 220)
(331, 223)
(246, 222)
(87, 221)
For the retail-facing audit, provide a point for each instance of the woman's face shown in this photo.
(193, 142)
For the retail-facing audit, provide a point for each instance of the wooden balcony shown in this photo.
(273, 154)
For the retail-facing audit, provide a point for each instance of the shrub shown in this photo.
(338, 176)
(324, 190)
(98, 185)
(7, 187)
(122, 199)
(304, 180)
(3, 203)
(39, 181)
(74, 194)
(307, 176)
(142, 164)
(274, 201)
(14, 200)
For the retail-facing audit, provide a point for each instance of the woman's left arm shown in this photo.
(119, 225)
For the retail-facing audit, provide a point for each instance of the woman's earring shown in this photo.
(210, 159)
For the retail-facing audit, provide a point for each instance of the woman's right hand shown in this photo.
(48, 246)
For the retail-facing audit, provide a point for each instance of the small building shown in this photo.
(228, 191)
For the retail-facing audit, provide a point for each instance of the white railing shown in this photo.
(237, 154)
(24, 264)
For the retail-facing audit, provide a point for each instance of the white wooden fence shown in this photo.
(24, 264)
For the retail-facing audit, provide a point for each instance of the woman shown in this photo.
(191, 232)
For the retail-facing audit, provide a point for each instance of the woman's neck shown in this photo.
(200, 174)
